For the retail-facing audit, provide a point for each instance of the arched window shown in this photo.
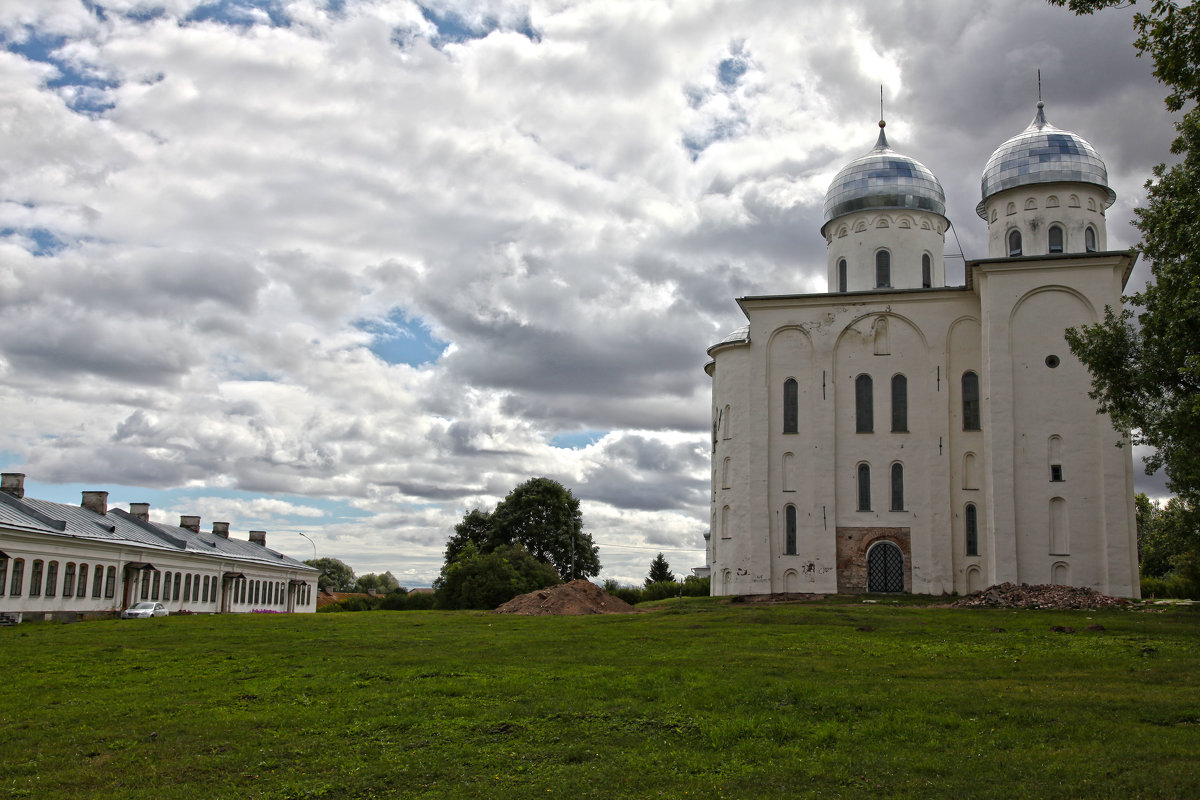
(791, 406)
(3, 572)
(175, 592)
(1014, 242)
(864, 413)
(52, 579)
(157, 584)
(883, 269)
(789, 545)
(145, 579)
(1056, 239)
(81, 586)
(972, 518)
(1060, 527)
(187, 589)
(864, 487)
(899, 404)
(897, 487)
(1089, 239)
(18, 577)
(98, 581)
(110, 583)
(69, 579)
(841, 275)
(35, 579)
(926, 271)
(970, 401)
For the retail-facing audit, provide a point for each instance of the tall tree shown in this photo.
(660, 570)
(335, 575)
(475, 528)
(1145, 361)
(543, 516)
(383, 582)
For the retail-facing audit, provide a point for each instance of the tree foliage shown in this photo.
(383, 582)
(1168, 539)
(660, 570)
(1145, 361)
(486, 580)
(335, 575)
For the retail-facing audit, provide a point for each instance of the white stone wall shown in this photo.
(1033, 209)
(906, 233)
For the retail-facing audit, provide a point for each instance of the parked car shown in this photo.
(145, 609)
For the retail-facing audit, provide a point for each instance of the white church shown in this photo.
(896, 434)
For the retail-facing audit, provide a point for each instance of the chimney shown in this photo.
(140, 511)
(13, 483)
(191, 523)
(221, 529)
(96, 501)
(259, 538)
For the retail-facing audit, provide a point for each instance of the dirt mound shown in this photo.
(576, 597)
(1010, 595)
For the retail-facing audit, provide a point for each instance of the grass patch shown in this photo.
(834, 699)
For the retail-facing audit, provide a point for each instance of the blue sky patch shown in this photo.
(83, 91)
(241, 13)
(731, 70)
(576, 441)
(453, 28)
(45, 243)
(400, 339)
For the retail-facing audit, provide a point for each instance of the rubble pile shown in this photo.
(1010, 595)
(576, 597)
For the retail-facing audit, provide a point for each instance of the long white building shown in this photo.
(896, 434)
(71, 562)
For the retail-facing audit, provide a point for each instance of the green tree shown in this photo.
(1145, 360)
(660, 570)
(543, 516)
(1168, 537)
(486, 580)
(335, 575)
(383, 583)
(476, 528)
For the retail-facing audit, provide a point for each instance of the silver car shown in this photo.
(145, 609)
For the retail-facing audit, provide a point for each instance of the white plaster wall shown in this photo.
(907, 234)
(1032, 210)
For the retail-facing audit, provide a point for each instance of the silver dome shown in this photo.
(1043, 153)
(883, 179)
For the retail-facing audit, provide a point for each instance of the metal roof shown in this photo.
(881, 179)
(1043, 153)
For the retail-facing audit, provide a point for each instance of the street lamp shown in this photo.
(300, 533)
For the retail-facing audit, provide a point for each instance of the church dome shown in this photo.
(1042, 153)
(882, 179)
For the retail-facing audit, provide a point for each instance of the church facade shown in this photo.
(896, 434)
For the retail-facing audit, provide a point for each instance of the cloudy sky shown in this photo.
(353, 267)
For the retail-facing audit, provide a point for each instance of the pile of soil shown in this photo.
(576, 597)
(1010, 595)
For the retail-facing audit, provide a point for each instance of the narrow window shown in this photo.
(1056, 239)
(972, 530)
(3, 574)
(897, 487)
(789, 547)
(187, 589)
(725, 472)
(242, 593)
(864, 413)
(202, 587)
(841, 276)
(789, 472)
(166, 587)
(1056, 474)
(970, 401)
(98, 581)
(175, 593)
(18, 577)
(1060, 527)
(926, 271)
(1089, 239)
(81, 585)
(791, 406)
(864, 487)
(1014, 243)
(52, 579)
(157, 584)
(35, 579)
(69, 579)
(110, 583)
(144, 577)
(883, 269)
(899, 404)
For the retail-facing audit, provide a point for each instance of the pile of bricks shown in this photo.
(1010, 595)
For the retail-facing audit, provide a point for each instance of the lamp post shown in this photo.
(301, 533)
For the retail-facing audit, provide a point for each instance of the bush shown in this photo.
(408, 601)
(486, 580)
(1176, 586)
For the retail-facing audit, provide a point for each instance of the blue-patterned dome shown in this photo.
(883, 178)
(1043, 153)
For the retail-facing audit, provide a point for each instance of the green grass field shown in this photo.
(837, 699)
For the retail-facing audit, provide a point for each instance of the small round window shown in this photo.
(1052, 361)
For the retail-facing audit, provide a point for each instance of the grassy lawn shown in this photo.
(837, 699)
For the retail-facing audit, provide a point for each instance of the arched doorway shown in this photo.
(885, 568)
